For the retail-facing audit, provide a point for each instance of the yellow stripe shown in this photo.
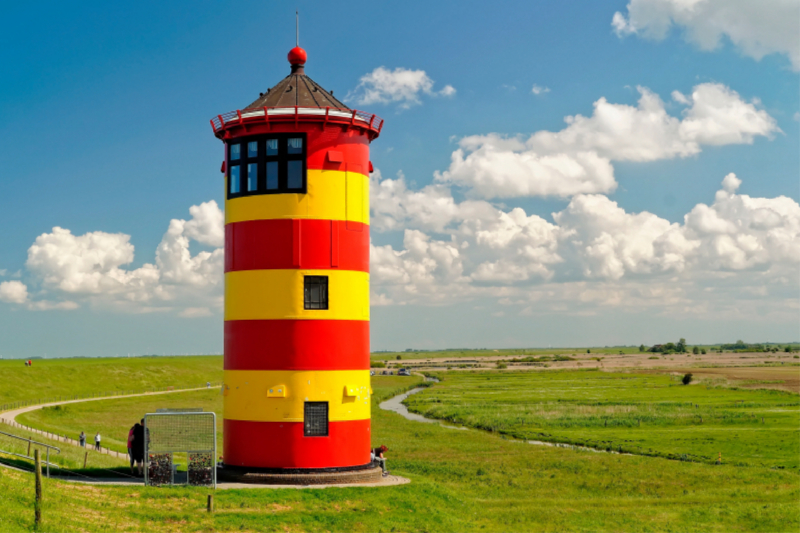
(332, 195)
(246, 394)
(278, 294)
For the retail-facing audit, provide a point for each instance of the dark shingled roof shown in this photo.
(297, 89)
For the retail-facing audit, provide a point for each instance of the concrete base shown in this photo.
(324, 476)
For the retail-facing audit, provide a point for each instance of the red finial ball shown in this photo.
(297, 56)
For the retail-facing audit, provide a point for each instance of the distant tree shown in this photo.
(642, 348)
(788, 349)
(687, 379)
(681, 346)
(588, 351)
(695, 350)
(703, 351)
(399, 357)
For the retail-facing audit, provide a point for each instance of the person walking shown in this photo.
(376, 454)
(137, 446)
(130, 446)
(82, 439)
(97, 441)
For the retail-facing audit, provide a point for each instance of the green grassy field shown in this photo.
(50, 378)
(635, 413)
(461, 481)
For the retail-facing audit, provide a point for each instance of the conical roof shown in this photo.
(297, 89)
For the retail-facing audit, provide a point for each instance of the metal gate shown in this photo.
(191, 433)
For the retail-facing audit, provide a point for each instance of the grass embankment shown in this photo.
(70, 458)
(461, 481)
(635, 413)
(50, 378)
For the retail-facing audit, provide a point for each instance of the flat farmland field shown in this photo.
(647, 414)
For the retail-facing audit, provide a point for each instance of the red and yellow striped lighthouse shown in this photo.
(297, 384)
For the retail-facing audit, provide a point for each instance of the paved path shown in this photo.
(9, 418)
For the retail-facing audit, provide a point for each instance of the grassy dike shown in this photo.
(461, 481)
(49, 378)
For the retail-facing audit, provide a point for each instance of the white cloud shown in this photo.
(93, 267)
(594, 254)
(14, 292)
(538, 89)
(399, 86)
(578, 159)
(756, 28)
(195, 312)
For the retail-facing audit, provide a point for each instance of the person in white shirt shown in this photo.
(97, 441)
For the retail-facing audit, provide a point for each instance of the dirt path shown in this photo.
(9, 418)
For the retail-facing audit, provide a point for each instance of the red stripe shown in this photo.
(298, 243)
(296, 345)
(282, 445)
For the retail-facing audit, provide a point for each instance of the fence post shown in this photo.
(29, 446)
(85, 458)
(210, 505)
(38, 504)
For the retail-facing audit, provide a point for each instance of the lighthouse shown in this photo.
(296, 382)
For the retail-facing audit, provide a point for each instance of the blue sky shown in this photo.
(495, 223)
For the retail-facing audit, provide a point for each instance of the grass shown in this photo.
(51, 378)
(634, 413)
(461, 481)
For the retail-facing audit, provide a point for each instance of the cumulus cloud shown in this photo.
(95, 267)
(399, 86)
(755, 28)
(14, 292)
(593, 251)
(578, 159)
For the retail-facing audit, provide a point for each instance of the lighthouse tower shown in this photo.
(296, 383)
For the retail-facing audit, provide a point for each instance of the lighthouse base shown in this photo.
(368, 473)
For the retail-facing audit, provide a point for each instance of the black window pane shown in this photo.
(315, 419)
(235, 152)
(315, 294)
(272, 175)
(295, 146)
(272, 147)
(234, 179)
(295, 178)
(252, 176)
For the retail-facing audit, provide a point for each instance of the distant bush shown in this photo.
(653, 357)
(501, 365)
(377, 364)
(703, 351)
(686, 379)
(695, 350)
(399, 357)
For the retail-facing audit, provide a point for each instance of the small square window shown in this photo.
(252, 177)
(272, 147)
(236, 152)
(252, 149)
(234, 179)
(316, 292)
(295, 145)
(272, 175)
(315, 419)
(294, 179)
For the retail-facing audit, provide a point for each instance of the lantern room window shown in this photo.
(267, 164)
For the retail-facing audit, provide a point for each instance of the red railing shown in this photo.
(297, 114)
